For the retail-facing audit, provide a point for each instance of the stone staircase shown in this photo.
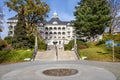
(50, 54)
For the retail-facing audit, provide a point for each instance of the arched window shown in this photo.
(50, 28)
(10, 32)
(59, 37)
(55, 32)
(46, 28)
(55, 22)
(63, 32)
(10, 27)
(63, 28)
(50, 32)
(50, 37)
(59, 33)
(55, 28)
(59, 28)
(63, 37)
(46, 32)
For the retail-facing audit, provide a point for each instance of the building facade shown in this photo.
(59, 31)
(53, 30)
(11, 24)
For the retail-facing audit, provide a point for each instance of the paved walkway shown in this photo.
(88, 70)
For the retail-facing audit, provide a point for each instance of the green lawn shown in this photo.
(14, 56)
(98, 54)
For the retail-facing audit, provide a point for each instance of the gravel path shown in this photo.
(112, 67)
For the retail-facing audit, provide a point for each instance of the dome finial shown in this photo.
(55, 15)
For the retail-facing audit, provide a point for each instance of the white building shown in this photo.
(57, 30)
(11, 24)
(53, 30)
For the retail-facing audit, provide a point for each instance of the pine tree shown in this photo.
(34, 11)
(92, 16)
(20, 38)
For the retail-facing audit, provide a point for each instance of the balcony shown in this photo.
(10, 27)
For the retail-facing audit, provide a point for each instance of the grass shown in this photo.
(99, 54)
(14, 56)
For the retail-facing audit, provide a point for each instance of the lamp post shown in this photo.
(36, 41)
(55, 43)
(75, 48)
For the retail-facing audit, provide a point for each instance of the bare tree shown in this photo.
(115, 14)
(1, 21)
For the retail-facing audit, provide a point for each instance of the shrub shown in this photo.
(80, 45)
(91, 44)
(42, 45)
(116, 38)
(8, 39)
(3, 44)
(14, 56)
(69, 46)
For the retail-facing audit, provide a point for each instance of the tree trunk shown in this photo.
(35, 47)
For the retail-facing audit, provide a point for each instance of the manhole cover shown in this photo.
(60, 72)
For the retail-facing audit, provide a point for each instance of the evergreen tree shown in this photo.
(34, 11)
(20, 38)
(92, 16)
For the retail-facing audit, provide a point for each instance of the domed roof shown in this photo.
(55, 15)
(55, 20)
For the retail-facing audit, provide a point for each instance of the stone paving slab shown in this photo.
(33, 70)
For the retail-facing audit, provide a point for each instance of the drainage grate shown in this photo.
(60, 72)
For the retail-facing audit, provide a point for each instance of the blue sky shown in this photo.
(64, 9)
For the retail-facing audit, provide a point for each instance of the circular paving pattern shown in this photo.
(37, 72)
(60, 72)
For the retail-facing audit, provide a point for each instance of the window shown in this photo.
(59, 37)
(10, 27)
(63, 28)
(68, 36)
(55, 22)
(63, 37)
(46, 32)
(63, 32)
(50, 37)
(10, 32)
(68, 33)
(59, 28)
(55, 32)
(59, 33)
(50, 32)
(50, 28)
(68, 23)
(46, 28)
(55, 28)
(68, 28)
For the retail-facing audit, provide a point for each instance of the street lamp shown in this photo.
(55, 43)
(75, 47)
